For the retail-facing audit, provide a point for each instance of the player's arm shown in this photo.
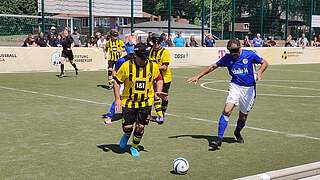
(159, 93)
(207, 70)
(165, 61)
(116, 90)
(264, 66)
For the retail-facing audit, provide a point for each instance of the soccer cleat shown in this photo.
(109, 86)
(217, 142)
(107, 120)
(77, 72)
(61, 75)
(160, 120)
(134, 152)
(238, 137)
(124, 141)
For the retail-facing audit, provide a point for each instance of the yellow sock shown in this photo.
(157, 106)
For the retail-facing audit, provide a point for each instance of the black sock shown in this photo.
(75, 66)
(62, 68)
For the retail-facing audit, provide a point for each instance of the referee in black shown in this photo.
(67, 44)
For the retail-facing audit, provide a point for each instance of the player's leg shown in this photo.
(63, 56)
(141, 121)
(164, 105)
(240, 125)
(127, 125)
(223, 123)
(157, 107)
(108, 118)
(110, 72)
(70, 57)
(246, 103)
(232, 100)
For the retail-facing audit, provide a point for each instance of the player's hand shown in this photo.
(162, 95)
(259, 75)
(118, 105)
(194, 79)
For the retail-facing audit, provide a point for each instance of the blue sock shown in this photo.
(112, 109)
(223, 123)
(240, 125)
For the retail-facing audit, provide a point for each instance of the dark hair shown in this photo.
(141, 50)
(233, 41)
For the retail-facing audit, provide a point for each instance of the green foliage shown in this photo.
(16, 26)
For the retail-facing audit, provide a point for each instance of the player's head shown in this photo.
(141, 52)
(65, 33)
(114, 34)
(156, 40)
(234, 46)
(130, 49)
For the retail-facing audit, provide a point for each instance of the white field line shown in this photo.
(203, 85)
(191, 118)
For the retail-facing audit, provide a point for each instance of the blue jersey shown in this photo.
(241, 69)
(120, 62)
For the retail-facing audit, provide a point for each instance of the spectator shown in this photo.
(246, 41)
(58, 41)
(314, 43)
(289, 42)
(272, 42)
(92, 42)
(29, 42)
(303, 41)
(51, 37)
(179, 41)
(76, 37)
(193, 42)
(164, 36)
(133, 38)
(205, 36)
(40, 41)
(265, 43)
(64, 29)
(101, 43)
(257, 42)
(97, 37)
(149, 40)
(169, 42)
(318, 41)
(210, 42)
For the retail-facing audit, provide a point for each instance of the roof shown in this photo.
(144, 14)
(71, 15)
(164, 24)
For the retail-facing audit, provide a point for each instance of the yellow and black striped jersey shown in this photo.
(138, 83)
(113, 47)
(162, 57)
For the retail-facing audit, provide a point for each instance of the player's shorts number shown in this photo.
(140, 86)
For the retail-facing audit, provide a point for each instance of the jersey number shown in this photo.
(140, 85)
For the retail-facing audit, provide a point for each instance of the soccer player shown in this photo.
(161, 56)
(242, 89)
(115, 47)
(138, 76)
(130, 51)
(67, 45)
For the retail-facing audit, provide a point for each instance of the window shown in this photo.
(85, 22)
(246, 26)
(121, 21)
(102, 22)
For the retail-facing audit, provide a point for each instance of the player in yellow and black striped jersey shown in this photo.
(138, 76)
(161, 56)
(115, 47)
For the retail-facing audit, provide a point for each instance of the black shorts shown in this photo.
(67, 54)
(166, 87)
(111, 64)
(135, 115)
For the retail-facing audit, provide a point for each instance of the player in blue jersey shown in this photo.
(242, 88)
(130, 51)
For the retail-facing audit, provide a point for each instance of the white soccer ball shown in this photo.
(180, 166)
